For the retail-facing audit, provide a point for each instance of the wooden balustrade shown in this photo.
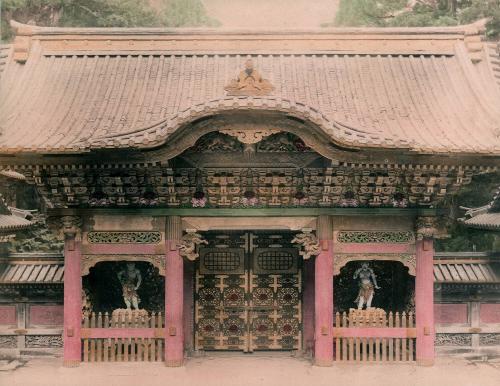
(123, 337)
(374, 336)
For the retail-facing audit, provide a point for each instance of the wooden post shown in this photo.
(323, 293)
(72, 293)
(424, 301)
(174, 294)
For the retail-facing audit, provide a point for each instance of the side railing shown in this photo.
(374, 336)
(123, 337)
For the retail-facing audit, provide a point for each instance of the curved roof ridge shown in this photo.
(472, 28)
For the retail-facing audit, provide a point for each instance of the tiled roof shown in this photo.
(415, 96)
(32, 268)
(466, 268)
(12, 174)
(485, 217)
(12, 220)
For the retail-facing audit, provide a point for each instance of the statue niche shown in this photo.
(124, 287)
(373, 286)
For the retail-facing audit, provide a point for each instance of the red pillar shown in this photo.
(72, 300)
(424, 301)
(174, 295)
(323, 293)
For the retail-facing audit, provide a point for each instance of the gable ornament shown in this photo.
(188, 244)
(308, 242)
(249, 83)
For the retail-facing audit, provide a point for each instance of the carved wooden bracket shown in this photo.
(309, 243)
(430, 227)
(250, 136)
(188, 244)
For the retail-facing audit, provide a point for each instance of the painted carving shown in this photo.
(453, 340)
(489, 339)
(375, 237)
(88, 261)
(249, 83)
(44, 341)
(427, 227)
(367, 286)
(8, 341)
(216, 142)
(338, 186)
(309, 244)
(188, 244)
(282, 142)
(408, 260)
(71, 225)
(249, 198)
(251, 135)
(130, 279)
(124, 237)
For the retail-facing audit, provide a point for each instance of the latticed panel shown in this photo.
(220, 305)
(275, 301)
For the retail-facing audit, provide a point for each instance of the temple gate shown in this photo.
(250, 171)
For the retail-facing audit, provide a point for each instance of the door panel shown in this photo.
(248, 294)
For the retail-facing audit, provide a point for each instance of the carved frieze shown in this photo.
(8, 341)
(375, 237)
(44, 341)
(249, 82)
(453, 340)
(309, 244)
(122, 237)
(189, 243)
(489, 339)
(407, 259)
(88, 261)
(224, 186)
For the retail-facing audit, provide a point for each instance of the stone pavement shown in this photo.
(246, 370)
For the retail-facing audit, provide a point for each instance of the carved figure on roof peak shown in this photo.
(249, 82)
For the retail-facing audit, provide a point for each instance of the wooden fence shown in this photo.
(362, 336)
(122, 337)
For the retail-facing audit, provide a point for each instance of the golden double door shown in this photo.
(248, 293)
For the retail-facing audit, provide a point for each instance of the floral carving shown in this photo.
(34, 341)
(453, 339)
(375, 237)
(188, 244)
(489, 339)
(8, 341)
(124, 237)
(309, 243)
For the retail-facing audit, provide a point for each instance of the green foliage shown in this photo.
(38, 238)
(419, 13)
(103, 13)
(186, 13)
